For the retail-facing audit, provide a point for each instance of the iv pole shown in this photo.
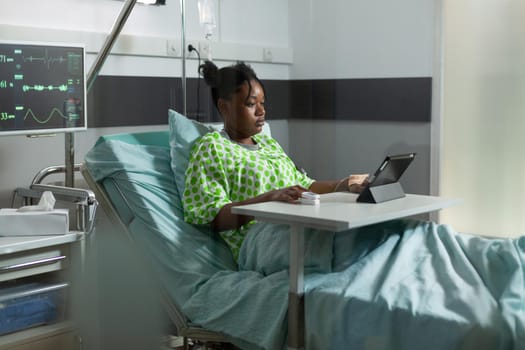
(92, 75)
(96, 67)
(183, 51)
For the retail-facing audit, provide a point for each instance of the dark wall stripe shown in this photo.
(131, 101)
(128, 101)
(384, 99)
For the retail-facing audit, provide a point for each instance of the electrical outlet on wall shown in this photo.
(173, 48)
(195, 44)
(267, 55)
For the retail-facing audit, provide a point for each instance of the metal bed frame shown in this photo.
(83, 200)
(184, 328)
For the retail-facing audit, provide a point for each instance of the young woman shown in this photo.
(239, 165)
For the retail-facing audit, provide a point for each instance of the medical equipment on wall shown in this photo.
(42, 88)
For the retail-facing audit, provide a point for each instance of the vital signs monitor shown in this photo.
(42, 88)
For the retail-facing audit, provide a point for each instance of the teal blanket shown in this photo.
(398, 285)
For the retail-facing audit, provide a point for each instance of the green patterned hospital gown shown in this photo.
(221, 171)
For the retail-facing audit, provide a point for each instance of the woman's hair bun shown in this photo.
(226, 81)
(210, 73)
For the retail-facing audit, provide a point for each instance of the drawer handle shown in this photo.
(32, 263)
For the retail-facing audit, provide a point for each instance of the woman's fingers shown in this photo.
(357, 179)
(290, 194)
(357, 182)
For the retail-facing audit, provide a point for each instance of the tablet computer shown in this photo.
(388, 173)
(391, 169)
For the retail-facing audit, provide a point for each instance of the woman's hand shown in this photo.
(288, 194)
(354, 183)
(226, 220)
(357, 182)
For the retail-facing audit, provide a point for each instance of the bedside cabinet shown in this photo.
(36, 291)
(40, 277)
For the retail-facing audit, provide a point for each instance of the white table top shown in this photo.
(13, 244)
(339, 211)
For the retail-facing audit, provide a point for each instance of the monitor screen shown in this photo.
(42, 88)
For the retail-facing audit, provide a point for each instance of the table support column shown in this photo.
(296, 291)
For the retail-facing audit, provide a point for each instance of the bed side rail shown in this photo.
(83, 201)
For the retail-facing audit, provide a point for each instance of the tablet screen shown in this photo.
(391, 169)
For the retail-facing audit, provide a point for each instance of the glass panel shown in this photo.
(483, 122)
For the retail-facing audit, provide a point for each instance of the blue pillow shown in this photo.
(183, 134)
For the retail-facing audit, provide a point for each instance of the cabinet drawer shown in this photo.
(66, 341)
(60, 336)
(33, 262)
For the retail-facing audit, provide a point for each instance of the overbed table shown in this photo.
(337, 212)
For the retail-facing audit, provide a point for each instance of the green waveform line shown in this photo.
(46, 59)
(53, 111)
(37, 87)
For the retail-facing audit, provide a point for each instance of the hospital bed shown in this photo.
(405, 284)
(116, 206)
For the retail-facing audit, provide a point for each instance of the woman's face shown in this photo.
(244, 112)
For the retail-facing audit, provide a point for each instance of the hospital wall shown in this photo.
(381, 52)
(321, 50)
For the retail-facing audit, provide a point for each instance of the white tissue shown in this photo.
(46, 203)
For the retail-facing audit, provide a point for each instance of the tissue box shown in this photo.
(33, 223)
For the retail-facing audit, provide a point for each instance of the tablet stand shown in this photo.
(382, 193)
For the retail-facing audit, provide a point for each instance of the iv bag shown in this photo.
(207, 16)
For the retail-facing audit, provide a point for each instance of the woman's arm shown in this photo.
(327, 186)
(353, 183)
(226, 220)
